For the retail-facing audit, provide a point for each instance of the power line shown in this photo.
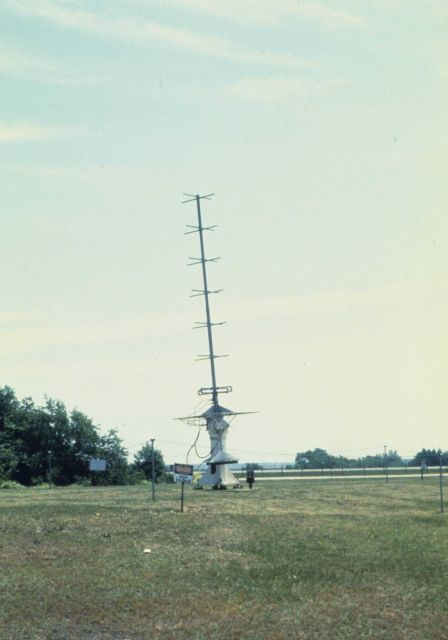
(376, 449)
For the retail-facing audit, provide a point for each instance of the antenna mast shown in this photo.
(214, 390)
(218, 473)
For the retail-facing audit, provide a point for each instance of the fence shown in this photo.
(338, 472)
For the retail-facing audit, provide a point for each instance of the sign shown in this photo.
(96, 464)
(183, 473)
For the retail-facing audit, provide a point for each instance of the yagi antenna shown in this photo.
(214, 390)
(218, 473)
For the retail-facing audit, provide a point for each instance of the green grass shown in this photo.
(341, 560)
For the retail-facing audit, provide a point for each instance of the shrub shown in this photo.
(136, 477)
(10, 484)
(79, 481)
(36, 480)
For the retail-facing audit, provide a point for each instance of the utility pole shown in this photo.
(441, 485)
(49, 470)
(153, 474)
(51, 426)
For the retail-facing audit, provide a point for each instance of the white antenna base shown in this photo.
(219, 476)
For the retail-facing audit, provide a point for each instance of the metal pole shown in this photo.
(50, 482)
(207, 306)
(182, 498)
(153, 474)
(441, 486)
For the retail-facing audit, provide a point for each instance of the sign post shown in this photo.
(441, 486)
(423, 468)
(153, 471)
(183, 473)
(50, 479)
(182, 497)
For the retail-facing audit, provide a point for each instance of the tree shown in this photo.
(30, 435)
(9, 407)
(8, 460)
(431, 457)
(9, 419)
(392, 459)
(317, 459)
(143, 461)
(112, 450)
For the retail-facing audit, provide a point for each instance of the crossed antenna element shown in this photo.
(214, 390)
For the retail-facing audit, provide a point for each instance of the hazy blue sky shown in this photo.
(322, 129)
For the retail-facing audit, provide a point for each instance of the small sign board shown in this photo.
(95, 464)
(183, 473)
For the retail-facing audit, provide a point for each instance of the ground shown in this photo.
(341, 559)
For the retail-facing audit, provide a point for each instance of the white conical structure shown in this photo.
(218, 473)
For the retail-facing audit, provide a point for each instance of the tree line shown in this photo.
(47, 443)
(319, 458)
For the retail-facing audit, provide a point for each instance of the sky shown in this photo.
(321, 128)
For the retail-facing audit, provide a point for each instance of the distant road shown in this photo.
(346, 477)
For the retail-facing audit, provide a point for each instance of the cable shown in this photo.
(194, 446)
(199, 455)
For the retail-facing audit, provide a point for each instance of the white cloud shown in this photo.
(328, 16)
(14, 62)
(279, 90)
(148, 32)
(94, 174)
(25, 333)
(18, 64)
(27, 131)
(338, 301)
(91, 173)
(269, 12)
(14, 318)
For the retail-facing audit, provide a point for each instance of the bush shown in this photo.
(136, 477)
(10, 484)
(79, 481)
(36, 481)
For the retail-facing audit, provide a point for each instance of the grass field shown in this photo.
(342, 560)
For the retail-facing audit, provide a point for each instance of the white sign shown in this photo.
(183, 473)
(182, 477)
(96, 464)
